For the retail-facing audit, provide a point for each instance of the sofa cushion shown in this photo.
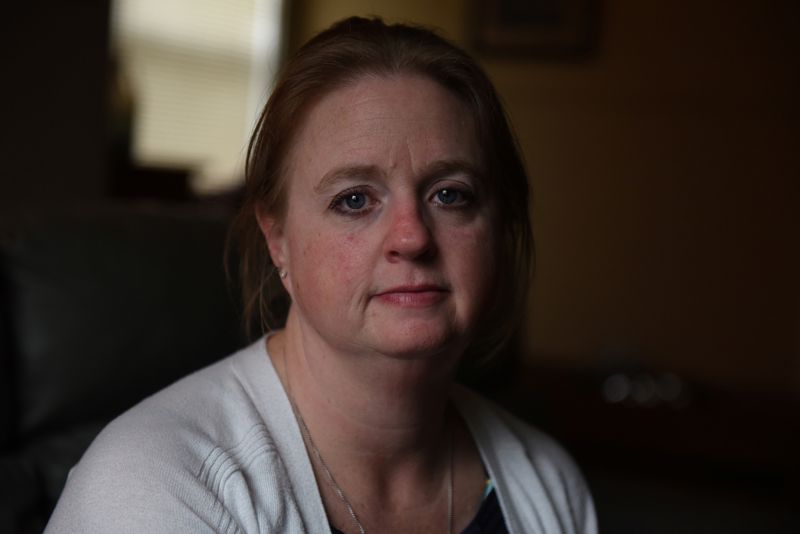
(108, 306)
(7, 396)
(22, 507)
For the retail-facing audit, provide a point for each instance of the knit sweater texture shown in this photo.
(221, 451)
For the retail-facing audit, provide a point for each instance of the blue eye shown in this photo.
(355, 201)
(352, 203)
(448, 196)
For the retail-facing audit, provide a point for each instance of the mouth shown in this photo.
(413, 296)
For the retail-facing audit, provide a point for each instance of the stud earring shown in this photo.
(282, 273)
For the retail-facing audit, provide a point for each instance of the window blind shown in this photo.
(199, 72)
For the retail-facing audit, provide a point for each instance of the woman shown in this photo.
(386, 195)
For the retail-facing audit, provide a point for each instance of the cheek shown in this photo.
(476, 262)
(330, 264)
(347, 260)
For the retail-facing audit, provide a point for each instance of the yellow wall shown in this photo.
(666, 172)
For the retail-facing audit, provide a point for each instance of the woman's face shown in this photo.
(388, 234)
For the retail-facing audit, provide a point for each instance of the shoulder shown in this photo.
(211, 408)
(537, 480)
(497, 426)
(176, 461)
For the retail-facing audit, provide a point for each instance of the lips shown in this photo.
(413, 296)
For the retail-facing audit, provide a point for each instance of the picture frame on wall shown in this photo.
(546, 28)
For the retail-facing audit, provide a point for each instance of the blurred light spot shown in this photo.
(616, 388)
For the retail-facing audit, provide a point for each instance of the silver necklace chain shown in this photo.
(325, 469)
(340, 492)
(335, 485)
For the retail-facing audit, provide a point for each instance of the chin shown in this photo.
(417, 341)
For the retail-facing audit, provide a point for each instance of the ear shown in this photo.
(272, 230)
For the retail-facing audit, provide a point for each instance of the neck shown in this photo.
(373, 406)
(383, 428)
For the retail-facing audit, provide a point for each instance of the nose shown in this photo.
(409, 235)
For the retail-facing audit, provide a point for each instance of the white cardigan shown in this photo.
(221, 451)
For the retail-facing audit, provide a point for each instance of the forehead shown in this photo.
(385, 121)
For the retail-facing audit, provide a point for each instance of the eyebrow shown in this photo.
(442, 168)
(349, 172)
(435, 170)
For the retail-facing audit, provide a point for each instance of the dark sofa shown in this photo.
(99, 307)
